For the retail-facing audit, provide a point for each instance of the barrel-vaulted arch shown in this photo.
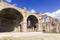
(9, 18)
(32, 21)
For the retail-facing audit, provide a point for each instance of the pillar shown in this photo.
(24, 29)
(33, 29)
(45, 25)
(24, 25)
(39, 24)
(19, 28)
(38, 27)
(57, 28)
(50, 27)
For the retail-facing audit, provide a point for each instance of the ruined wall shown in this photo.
(22, 18)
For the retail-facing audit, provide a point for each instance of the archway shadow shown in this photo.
(9, 19)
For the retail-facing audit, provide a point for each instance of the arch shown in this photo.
(47, 19)
(45, 23)
(42, 19)
(9, 19)
(32, 22)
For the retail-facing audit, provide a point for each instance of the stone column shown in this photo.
(19, 28)
(45, 16)
(57, 28)
(24, 25)
(45, 23)
(50, 28)
(39, 24)
(33, 29)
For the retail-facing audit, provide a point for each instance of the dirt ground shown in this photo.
(32, 36)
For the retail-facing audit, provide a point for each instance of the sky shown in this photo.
(49, 7)
(38, 5)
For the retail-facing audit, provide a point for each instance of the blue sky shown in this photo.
(49, 7)
(38, 5)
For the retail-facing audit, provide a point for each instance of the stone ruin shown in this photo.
(14, 19)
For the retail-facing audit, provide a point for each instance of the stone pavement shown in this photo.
(31, 35)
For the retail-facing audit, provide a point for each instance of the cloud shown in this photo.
(9, 1)
(14, 4)
(55, 14)
(32, 10)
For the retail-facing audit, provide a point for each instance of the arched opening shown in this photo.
(9, 19)
(32, 23)
(43, 24)
(47, 24)
(47, 19)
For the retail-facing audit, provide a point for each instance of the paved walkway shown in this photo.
(31, 35)
(19, 34)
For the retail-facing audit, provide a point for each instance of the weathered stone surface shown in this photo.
(20, 20)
